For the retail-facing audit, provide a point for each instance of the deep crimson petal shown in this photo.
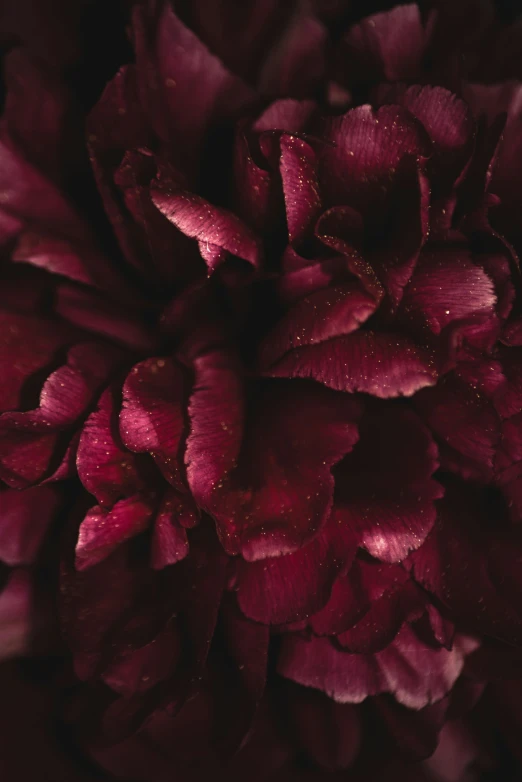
(281, 490)
(447, 286)
(28, 344)
(105, 468)
(217, 231)
(463, 534)
(416, 732)
(387, 496)
(355, 592)
(296, 65)
(298, 165)
(448, 121)
(183, 87)
(388, 45)
(102, 531)
(415, 674)
(29, 440)
(143, 668)
(381, 364)
(367, 148)
(464, 420)
(169, 538)
(25, 518)
(329, 313)
(292, 587)
(152, 417)
(380, 625)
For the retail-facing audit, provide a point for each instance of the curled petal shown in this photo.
(387, 496)
(381, 364)
(152, 418)
(415, 674)
(269, 497)
(219, 233)
(28, 441)
(292, 587)
(105, 468)
(101, 531)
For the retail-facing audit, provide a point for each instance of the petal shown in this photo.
(28, 344)
(143, 668)
(465, 423)
(105, 468)
(25, 518)
(384, 490)
(219, 233)
(183, 87)
(388, 45)
(293, 587)
(169, 538)
(415, 674)
(152, 418)
(447, 286)
(383, 365)
(296, 64)
(377, 629)
(367, 147)
(453, 565)
(449, 124)
(29, 440)
(328, 313)
(298, 165)
(280, 492)
(101, 531)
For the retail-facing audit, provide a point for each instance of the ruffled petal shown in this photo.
(381, 364)
(367, 148)
(28, 345)
(105, 468)
(446, 287)
(183, 87)
(271, 497)
(416, 675)
(101, 531)
(453, 565)
(326, 314)
(152, 417)
(464, 422)
(219, 233)
(389, 45)
(293, 587)
(386, 496)
(29, 442)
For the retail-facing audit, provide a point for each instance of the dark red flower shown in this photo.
(261, 411)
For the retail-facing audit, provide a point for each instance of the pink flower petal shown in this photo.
(101, 531)
(271, 497)
(105, 468)
(152, 418)
(292, 587)
(381, 364)
(415, 674)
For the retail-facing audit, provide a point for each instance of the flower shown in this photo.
(261, 423)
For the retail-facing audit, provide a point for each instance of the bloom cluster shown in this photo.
(261, 402)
